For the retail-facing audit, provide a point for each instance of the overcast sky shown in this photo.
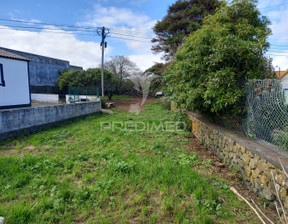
(129, 21)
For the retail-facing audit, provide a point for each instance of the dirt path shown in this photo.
(132, 105)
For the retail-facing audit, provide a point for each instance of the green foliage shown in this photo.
(210, 67)
(184, 121)
(183, 18)
(103, 103)
(81, 78)
(92, 78)
(165, 102)
(156, 84)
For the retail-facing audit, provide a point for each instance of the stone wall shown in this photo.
(15, 121)
(255, 162)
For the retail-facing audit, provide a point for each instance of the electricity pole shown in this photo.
(103, 32)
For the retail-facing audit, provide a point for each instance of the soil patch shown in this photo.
(132, 105)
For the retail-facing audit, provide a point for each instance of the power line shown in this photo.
(277, 55)
(122, 38)
(47, 24)
(129, 35)
(84, 28)
(274, 6)
(41, 28)
(72, 32)
(58, 32)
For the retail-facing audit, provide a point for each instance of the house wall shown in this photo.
(284, 82)
(16, 91)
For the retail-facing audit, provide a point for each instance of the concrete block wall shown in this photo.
(45, 98)
(14, 121)
(90, 98)
(255, 162)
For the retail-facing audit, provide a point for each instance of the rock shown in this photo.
(2, 220)
(264, 180)
(268, 195)
(283, 192)
(262, 165)
(221, 165)
(248, 171)
(243, 150)
(246, 158)
(256, 173)
(253, 163)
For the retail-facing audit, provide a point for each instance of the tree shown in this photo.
(210, 67)
(184, 17)
(122, 68)
(89, 78)
(81, 78)
(158, 70)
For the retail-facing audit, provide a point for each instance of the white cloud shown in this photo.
(280, 60)
(145, 61)
(60, 45)
(279, 38)
(135, 30)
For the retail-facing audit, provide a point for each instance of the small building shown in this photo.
(284, 82)
(44, 71)
(14, 81)
(283, 76)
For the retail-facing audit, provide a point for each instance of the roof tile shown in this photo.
(6, 54)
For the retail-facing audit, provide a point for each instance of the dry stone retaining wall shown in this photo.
(255, 162)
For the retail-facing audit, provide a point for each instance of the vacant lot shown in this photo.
(78, 173)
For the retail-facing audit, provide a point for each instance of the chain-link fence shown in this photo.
(76, 94)
(267, 115)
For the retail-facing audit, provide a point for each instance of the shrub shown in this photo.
(103, 103)
(210, 68)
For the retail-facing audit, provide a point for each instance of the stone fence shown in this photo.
(255, 162)
(14, 121)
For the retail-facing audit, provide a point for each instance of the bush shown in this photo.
(211, 67)
(185, 122)
(103, 103)
(165, 103)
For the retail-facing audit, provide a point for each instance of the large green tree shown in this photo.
(183, 18)
(81, 78)
(92, 78)
(213, 63)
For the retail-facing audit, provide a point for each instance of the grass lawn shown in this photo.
(76, 173)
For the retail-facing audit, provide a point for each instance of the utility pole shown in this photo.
(103, 32)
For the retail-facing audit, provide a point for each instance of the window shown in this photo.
(2, 81)
(286, 95)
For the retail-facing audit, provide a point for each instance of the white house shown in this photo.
(14, 81)
(283, 76)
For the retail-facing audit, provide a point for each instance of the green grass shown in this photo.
(78, 173)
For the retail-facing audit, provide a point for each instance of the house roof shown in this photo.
(5, 54)
(281, 74)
